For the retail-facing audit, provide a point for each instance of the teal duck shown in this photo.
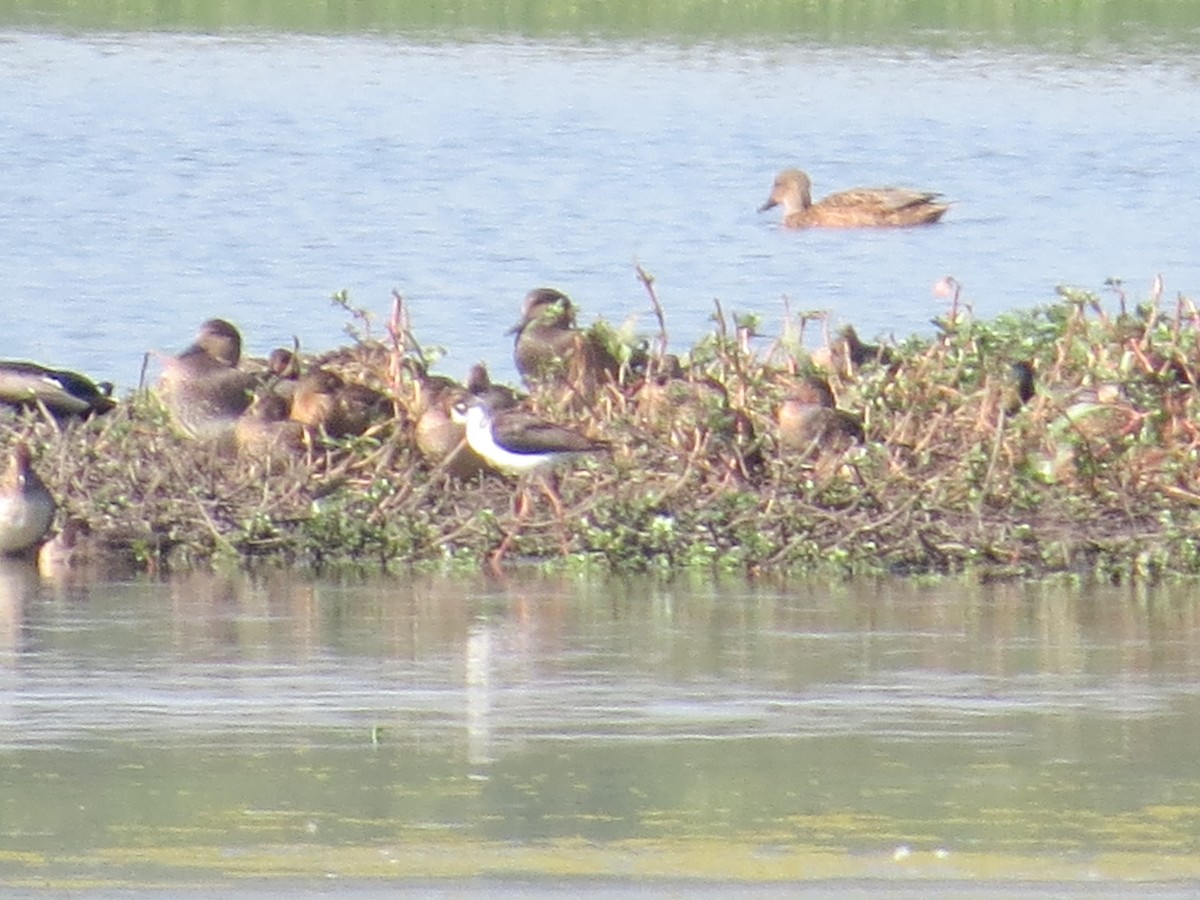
(63, 393)
(326, 402)
(441, 439)
(550, 349)
(26, 506)
(855, 208)
(202, 387)
(266, 431)
(808, 419)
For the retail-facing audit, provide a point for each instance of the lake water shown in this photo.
(269, 737)
(152, 180)
(248, 734)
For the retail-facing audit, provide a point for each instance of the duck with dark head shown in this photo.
(551, 351)
(63, 394)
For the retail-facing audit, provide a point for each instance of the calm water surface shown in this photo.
(154, 180)
(252, 734)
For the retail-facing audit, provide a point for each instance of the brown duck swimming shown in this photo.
(855, 208)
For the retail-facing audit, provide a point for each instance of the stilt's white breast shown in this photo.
(482, 441)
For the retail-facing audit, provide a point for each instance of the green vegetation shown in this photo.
(1064, 24)
(1095, 473)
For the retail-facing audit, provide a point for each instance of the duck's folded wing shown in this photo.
(884, 199)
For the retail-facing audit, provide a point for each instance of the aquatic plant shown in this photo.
(1062, 438)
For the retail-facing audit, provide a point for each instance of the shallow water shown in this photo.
(268, 737)
(257, 733)
(153, 180)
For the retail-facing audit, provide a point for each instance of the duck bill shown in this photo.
(771, 202)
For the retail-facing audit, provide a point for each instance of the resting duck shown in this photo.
(326, 402)
(441, 440)
(855, 208)
(26, 507)
(28, 385)
(847, 353)
(550, 349)
(808, 419)
(202, 387)
(264, 430)
(496, 396)
(283, 368)
(695, 410)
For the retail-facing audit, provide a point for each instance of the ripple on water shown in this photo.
(156, 180)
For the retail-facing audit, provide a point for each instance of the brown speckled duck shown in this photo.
(550, 349)
(26, 506)
(264, 431)
(202, 387)
(326, 402)
(441, 440)
(283, 368)
(855, 208)
(847, 353)
(808, 419)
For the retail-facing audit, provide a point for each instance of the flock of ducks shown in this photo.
(272, 409)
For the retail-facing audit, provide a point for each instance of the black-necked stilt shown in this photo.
(518, 443)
